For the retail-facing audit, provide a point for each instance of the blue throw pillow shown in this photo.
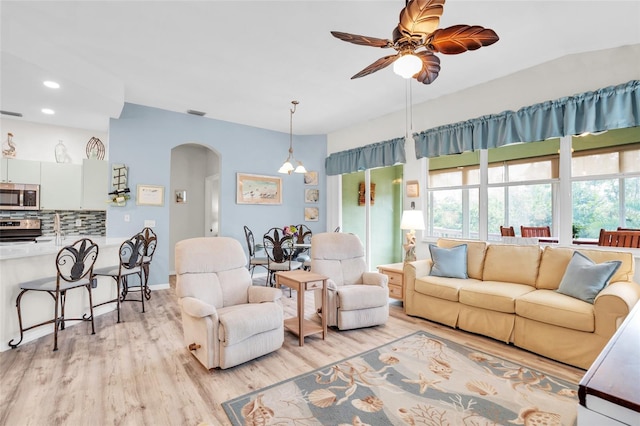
(451, 263)
(584, 278)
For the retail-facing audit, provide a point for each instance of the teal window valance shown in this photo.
(609, 108)
(379, 154)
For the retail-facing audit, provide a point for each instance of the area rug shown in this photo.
(420, 379)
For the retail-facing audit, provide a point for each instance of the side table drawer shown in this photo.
(314, 285)
(394, 278)
(395, 291)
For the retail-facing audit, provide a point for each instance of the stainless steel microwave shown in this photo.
(19, 196)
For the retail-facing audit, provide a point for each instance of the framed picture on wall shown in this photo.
(258, 189)
(413, 189)
(311, 195)
(181, 196)
(150, 195)
(311, 214)
(311, 178)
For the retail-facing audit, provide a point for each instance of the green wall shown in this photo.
(386, 212)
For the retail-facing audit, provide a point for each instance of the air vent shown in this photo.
(15, 114)
(194, 112)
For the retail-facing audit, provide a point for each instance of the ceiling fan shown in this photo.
(417, 38)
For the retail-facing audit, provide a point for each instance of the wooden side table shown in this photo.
(395, 273)
(301, 281)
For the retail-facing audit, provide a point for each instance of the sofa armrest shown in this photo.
(258, 294)
(413, 270)
(375, 278)
(197, 308)
(613, 304)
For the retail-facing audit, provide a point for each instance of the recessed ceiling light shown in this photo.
(51, 84)
(48, 111)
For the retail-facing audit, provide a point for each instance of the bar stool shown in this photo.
(131, 258)
(150, 242)
(74, 264)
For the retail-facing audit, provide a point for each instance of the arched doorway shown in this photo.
(194, 194)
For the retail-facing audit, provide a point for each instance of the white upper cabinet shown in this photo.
(19, 171)
(60, 186)
(95, 184)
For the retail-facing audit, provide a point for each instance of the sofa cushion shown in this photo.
(475, 254)
(494, 295)
(449, 262)
(551, 307)
(512, 264)
(584, 279)
(555, 260)
(443, 288)
(238, 322)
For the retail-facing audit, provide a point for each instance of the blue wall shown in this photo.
(142, 138)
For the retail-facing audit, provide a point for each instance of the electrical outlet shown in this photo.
(78, 222)
(127, 218)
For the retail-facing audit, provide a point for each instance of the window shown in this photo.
(454, 202)
(605, 189)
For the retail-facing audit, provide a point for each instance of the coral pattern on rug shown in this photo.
(419, 379)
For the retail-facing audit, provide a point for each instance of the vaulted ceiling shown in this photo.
(245, 61)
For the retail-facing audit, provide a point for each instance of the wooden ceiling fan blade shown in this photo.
(460, 38)
(430, 67)
(362, 40)
(377, 65)
(420, 17)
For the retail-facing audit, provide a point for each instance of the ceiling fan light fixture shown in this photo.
(407, 65)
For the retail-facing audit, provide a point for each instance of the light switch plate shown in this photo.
(127, 218)
(149, 223)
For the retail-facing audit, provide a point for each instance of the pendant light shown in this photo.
(287, 167)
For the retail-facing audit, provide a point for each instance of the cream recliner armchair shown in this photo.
(356, 298)
(225, 319)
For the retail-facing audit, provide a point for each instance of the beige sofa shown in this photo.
(510, 295)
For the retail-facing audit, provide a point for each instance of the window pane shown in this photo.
(443, 179)
(496, 212)
(446, 213)
(530, 205)
(497, 173)
(632, 202)
(595, 206)
(474, 213)
(530, 171)
(631, 161)
(596, 164)
(473, 176)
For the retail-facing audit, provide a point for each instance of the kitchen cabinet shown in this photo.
(95, 184)
(19, 171)
(60, 186)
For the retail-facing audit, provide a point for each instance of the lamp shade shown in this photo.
(412, 219)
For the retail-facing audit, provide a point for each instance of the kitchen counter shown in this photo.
(23, 262)
(46, 245)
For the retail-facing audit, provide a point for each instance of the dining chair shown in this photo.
(279, 249)
(619, 239)
(301, 254)
(628, 229)
(150, 243)
(74, 265)
(252, 248)
(507, 232)
(535, 231)
(131, 256)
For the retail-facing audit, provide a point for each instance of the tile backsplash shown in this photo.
(93, 222)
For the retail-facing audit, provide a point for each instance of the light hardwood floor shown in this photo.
(139, 372)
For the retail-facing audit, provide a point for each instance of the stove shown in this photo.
(12, 230)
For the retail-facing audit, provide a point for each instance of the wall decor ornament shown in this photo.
(413, 188)
(9, 147)
(372, 193)
(95, 149)
(258, 189)
(181, 196)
